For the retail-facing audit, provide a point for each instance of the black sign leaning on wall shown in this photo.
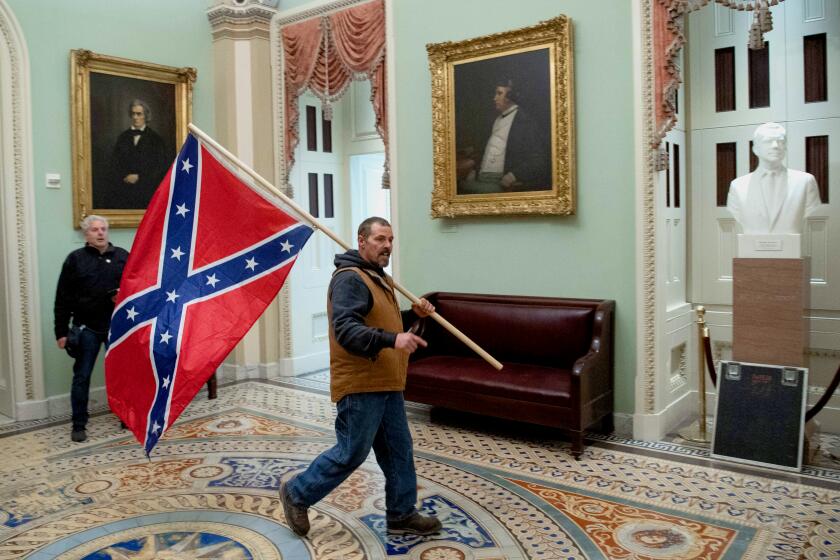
(760, 416)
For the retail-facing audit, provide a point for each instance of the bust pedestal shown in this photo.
(768, 300)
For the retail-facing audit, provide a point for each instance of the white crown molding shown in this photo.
(314, 9)
(236, 14)
(242, 19)
(18, 206)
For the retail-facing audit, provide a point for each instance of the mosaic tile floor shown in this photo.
(209, 491)
(824, 464)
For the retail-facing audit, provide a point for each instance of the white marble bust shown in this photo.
(773, 198)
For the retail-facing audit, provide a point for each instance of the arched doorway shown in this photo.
(21, 378)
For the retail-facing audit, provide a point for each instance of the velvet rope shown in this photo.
(324, 54)
(710, 361)
(813, 411)
(829, 392)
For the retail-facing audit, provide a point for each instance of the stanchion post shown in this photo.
(697, 432)
(702, 331)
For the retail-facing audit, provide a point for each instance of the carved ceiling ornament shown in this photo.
(762, 18)
(669, 39)
(241, 19)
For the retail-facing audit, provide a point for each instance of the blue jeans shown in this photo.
(89, 343)
(365, 420)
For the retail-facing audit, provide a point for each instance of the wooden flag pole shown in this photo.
(317, 225)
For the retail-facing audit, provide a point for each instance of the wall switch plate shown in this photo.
(53, 181)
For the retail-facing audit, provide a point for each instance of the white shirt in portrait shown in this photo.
(494, 153)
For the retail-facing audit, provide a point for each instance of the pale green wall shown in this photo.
(170, 32)
(591, 254)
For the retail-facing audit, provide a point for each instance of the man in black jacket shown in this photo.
(87, 289)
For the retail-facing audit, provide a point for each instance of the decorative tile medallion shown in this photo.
(162, 541)
(625, 531)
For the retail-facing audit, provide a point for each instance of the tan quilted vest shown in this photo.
(350, 373)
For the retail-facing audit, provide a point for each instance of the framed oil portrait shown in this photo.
(128, 119)
(503, 123)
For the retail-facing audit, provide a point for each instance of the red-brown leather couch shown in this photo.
(557, 355)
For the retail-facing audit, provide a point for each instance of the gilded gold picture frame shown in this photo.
(128, 119)
(503, 123)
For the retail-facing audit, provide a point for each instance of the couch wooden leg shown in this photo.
(212, 384)
(607, 424)
(577, 444)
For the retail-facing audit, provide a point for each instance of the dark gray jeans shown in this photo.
(88, 349)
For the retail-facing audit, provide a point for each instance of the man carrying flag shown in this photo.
(368, 361)
(191, 290)
(210, 254)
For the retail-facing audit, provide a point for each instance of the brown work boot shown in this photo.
(415, 524)
(297, 517)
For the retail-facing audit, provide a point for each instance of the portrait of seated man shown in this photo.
(138, 161)
(514, 155)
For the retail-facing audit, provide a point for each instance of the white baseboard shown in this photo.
(829, 420)
(238, 372)
(623, 424)
(300, 365)
(654, 427)
(32, 410)
(285, 367)
(59, 405)
(269, 371)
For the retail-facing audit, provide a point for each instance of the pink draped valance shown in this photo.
(668, 40)
(324, 54)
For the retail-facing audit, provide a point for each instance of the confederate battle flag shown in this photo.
(210, 254)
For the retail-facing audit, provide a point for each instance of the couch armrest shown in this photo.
(592, 373)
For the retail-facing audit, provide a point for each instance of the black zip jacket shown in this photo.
(351, 302)
(88, 280)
